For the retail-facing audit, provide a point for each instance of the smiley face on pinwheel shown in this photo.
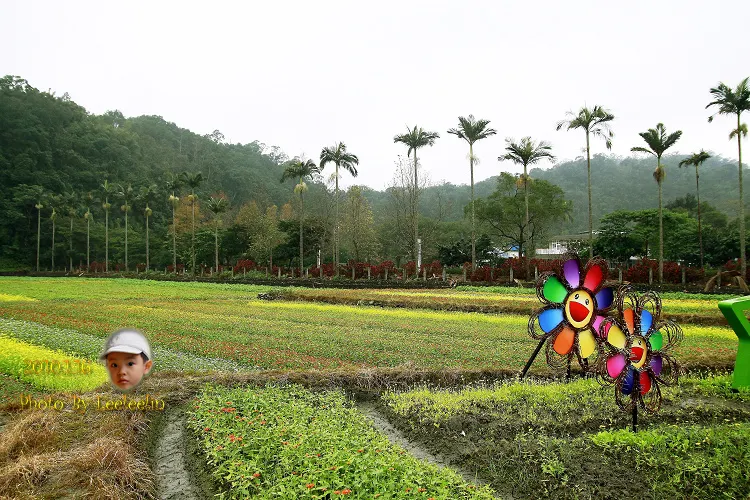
(577, 302)
(637, 353)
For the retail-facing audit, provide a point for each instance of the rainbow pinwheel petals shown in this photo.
(637, 351)
(577, 300)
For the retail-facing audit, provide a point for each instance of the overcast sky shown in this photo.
(304, 75)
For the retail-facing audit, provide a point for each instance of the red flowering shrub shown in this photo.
(245, 265)
(434, 269)
(639, 272)
(180, 268)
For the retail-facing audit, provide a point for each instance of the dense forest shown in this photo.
(60, 166)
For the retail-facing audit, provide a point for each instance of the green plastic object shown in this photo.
(734, 311)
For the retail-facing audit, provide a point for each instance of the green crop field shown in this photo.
(229, 322)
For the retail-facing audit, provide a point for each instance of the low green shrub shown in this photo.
(288, 442)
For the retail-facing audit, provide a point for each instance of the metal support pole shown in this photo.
(533, 357)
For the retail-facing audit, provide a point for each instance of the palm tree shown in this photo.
(107, 191)
(174, 185)
(734, 102)
(126, 193)
(338, 156)
(88, 216)
(39, 206)
(658, 142)
(472, 130)
(526, 153)
(299, 169)
(53, 218)
(595, 122)
(697, 160)
(217, 205)
(414, 139)
(71, 205)
(147, 194)
(193, 181)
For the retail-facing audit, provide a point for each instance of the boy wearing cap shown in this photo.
(127, 355)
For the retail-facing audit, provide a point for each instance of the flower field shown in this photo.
(48, 369)
(216, 321)
(288, 442)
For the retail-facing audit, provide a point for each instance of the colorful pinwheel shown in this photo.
(576, 301)
(637, 347)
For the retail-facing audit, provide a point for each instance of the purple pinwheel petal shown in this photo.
(572, 273)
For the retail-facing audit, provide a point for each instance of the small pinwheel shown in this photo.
(576, 302)
(636, 350)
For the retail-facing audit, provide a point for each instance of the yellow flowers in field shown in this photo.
(48, 369)
(4, 297)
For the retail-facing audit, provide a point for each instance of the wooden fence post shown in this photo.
(443, 274)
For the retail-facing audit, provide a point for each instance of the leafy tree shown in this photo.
(458, 251)
(658, 142)
(147, 195)
(414, 139)
(504, 211)
(217, 205)
(359, 226)
(126, 194)
(696, 160)
(266, 235)
(193, 181)
(88, 216)
(301, 170)
(734, 102)
(526, 153)
(594, 122)
(472, 130)
(342, 159)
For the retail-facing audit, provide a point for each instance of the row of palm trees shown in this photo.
(595, 122)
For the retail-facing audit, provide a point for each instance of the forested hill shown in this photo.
(54, 143)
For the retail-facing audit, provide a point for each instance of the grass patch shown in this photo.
(48, 369)
(51, 454)
(287, 442)
(534, 439)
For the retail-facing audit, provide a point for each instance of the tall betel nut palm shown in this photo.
(193, 181)
(107, 191)
(696, 161)
(174, 185)
(414, 139)
(217, 205)
(126, 194)
(300, 170)
(734, 102)
(594, 122)
(658, 142)
(339, 157)
(472, 130)
(526, 152)
(147, 196)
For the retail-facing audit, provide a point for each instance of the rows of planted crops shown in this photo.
(219, 322)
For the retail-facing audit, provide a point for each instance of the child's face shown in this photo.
(126, 370)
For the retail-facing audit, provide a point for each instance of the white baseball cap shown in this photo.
(127, 340)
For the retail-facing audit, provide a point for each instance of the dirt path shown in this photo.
(381, 423)
(173, 480)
